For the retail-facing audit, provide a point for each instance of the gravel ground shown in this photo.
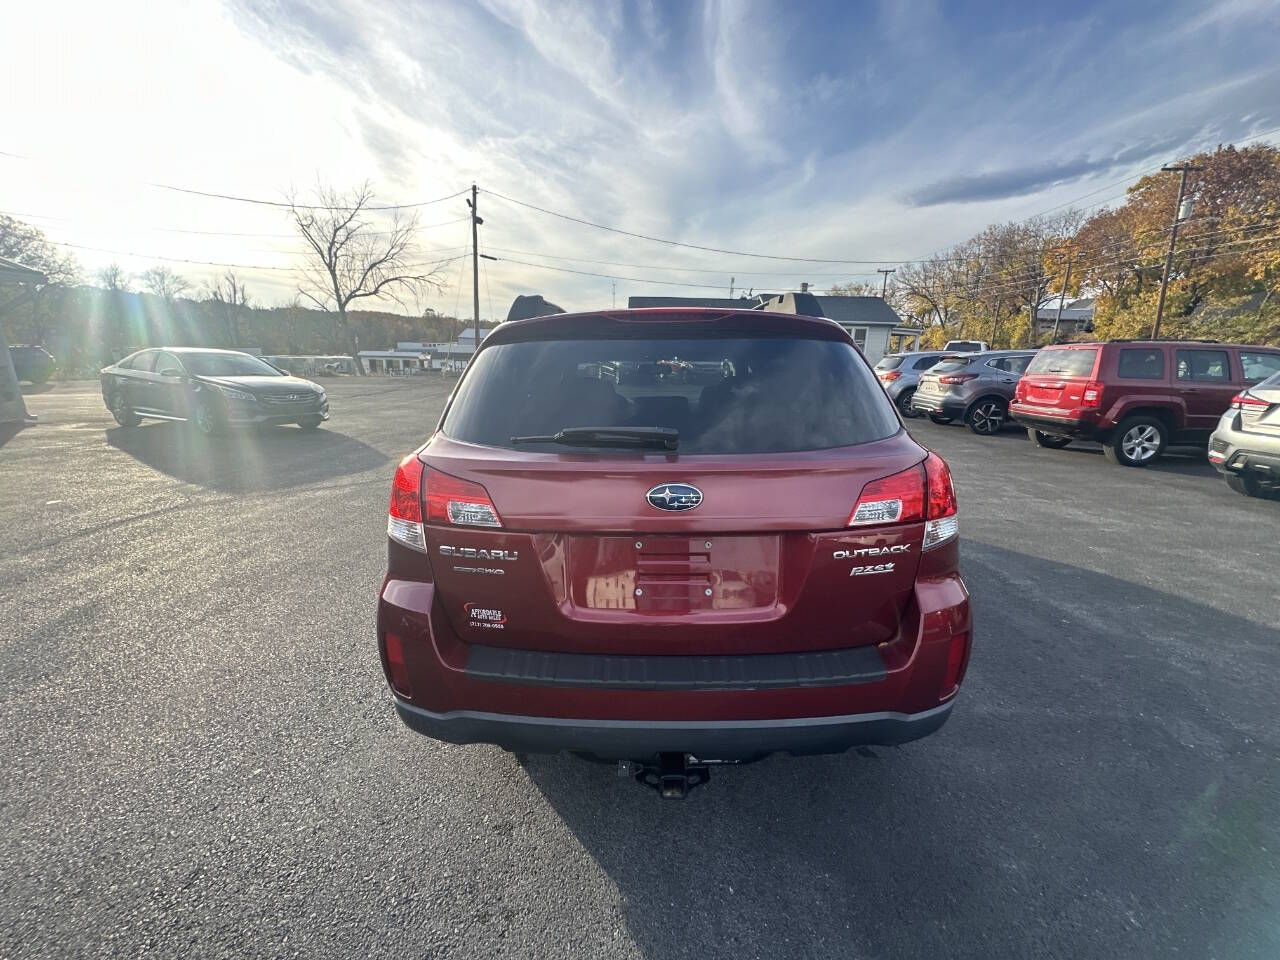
(200, 756)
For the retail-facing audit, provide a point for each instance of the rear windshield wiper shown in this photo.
(662, 438)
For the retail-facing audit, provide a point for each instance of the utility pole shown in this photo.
(995, 320)
(475, 265)
(1063, 299)
(1184, 168)
(732, 281)
(613, 297)
(884, 287)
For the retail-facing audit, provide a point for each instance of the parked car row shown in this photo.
(211, 389)
(1136, 398)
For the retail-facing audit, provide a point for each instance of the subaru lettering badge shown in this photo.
(674, 496)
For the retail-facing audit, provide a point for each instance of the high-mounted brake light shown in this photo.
(459, 502)
(954, 378)
(1092, 396)
(404, 517)
(1246, 399)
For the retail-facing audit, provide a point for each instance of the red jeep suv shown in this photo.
(672, 536)
(1134, 396)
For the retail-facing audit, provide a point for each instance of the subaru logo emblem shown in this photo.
(674, 496)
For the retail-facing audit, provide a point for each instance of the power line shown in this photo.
(676, 243)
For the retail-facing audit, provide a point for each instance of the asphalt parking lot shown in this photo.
(200, 756)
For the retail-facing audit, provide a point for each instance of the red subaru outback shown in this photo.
(672, 537)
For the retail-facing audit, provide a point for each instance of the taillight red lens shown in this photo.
(941, 523)
(954, 378)
(957, 659)
(404, 517)
(406, 490)
(1092, 395)
(395, 664)
(1245, 399)
(942, 494)
(460, 502)
(890, 375)
(895, 499)
(1020, 391)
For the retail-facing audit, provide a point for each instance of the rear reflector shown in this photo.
(459, 502)
(957, 656)
(404, 517)
(395, 664)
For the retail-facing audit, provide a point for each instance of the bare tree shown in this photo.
(165, 284)
(352, 259)
(229, 292)
(113, 277)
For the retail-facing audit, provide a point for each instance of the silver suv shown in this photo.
(898, 373)
(973, 387)
(1246, 445)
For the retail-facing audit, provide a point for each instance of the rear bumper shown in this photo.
(711, 739)
(717, 707)
(940, 404)
(1237, 451)
(1061, 425)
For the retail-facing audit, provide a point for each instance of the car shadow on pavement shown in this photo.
(1107, 787)
(268, 458)
(33, 388)
(1187, 461)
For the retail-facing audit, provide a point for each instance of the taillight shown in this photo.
(459, 502)
(954, 378)
(1092, 395)
(404, 517)
(1020, 391)
(890, 375)
(1245, 399)
(895, 499)
(941, 522)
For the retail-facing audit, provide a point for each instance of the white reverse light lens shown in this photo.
(472, 514)
(406, 532)
(876, 511)
(938, 532)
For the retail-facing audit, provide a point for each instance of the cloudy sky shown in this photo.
(840, 131)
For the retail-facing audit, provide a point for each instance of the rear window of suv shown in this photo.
(889, 363)
(1064, 363)
(725, 396)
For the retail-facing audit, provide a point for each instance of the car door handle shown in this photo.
(1007, 380)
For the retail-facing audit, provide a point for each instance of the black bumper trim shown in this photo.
(1242, 460)
(1076, 429)
(758, 672)
(939, 404)
(708, 739)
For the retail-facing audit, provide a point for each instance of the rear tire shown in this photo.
(310, 423)
(1137, 442)
(987, 417)
(1245, 486)
(1047, 440)
(904, 404)
(939, 418)
(122, 412)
